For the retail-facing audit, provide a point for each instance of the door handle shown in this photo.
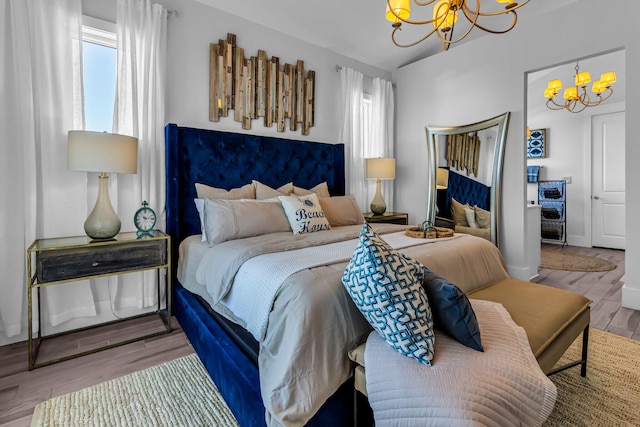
(596, 197)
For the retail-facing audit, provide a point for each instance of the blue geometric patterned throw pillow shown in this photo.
(387, 288)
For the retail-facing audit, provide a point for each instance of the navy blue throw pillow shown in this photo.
(451, 310)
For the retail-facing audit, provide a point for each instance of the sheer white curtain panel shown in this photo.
(376, 140)
(351, 133)
(140, 111)
(382, 119)
(41, 64)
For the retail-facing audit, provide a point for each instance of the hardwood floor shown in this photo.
(21, 390)
(603, 288)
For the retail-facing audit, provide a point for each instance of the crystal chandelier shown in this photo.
(576, 98)
(444, 18)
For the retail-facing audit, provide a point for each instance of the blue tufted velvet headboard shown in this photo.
(466, 190)
(228, 160)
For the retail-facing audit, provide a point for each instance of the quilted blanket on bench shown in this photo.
(501, 386)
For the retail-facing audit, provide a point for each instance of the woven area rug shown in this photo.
(180, 393)
(570, 261)
(176, 393)
(608, 396)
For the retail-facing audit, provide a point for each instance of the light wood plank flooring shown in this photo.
(603, 288)
(21, 390)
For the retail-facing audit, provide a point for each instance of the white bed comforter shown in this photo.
(504, 386)
(258, 280)
(313, 323)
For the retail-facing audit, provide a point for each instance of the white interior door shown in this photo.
(608, 186)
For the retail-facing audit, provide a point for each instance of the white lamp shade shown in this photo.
(101, 152)
(380, 168)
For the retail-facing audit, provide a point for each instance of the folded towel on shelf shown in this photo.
(532, 173)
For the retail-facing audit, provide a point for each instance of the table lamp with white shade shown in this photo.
(102, 152)
(379, 169)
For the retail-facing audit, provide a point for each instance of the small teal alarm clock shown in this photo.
(145, 219)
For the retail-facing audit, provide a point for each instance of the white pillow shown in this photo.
(304, 213)
(471, 217)
(200, 207)
(236, 219)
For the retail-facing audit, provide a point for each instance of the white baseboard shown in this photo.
(522, 273)
(630, 297)
(580, 241)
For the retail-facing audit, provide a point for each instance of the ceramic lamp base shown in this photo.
(378, 206)
(103, 222)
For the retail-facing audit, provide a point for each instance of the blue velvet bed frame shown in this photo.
(229, 160)
(465, 190)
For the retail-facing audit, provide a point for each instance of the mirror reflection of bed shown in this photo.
(467, 196)
(464, 205)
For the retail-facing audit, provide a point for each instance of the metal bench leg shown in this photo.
(585, 347)
(583, 360)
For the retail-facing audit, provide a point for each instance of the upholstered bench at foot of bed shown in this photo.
(552, 318)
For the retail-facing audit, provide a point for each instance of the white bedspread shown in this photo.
(257, 281)
(313, 322)
(503, 386)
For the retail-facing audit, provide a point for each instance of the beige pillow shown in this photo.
(322, 190)
(483, 217)
(265, 192)
(457, 212)
(247, 191)
(341, 210)
(236, 219)
(304, 213)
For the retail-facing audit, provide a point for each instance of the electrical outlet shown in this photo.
(567, 179)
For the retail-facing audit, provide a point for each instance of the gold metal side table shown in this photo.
(68, 259)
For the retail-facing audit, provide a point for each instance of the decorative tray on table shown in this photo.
(427, 231)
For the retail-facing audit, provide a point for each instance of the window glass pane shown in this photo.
(99, 75)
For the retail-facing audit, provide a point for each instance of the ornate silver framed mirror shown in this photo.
(476, 153)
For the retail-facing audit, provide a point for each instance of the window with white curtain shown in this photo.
(99, 62)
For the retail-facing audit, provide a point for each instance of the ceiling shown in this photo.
(596, 65)
(358, 28)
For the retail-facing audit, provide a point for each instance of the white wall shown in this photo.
(470, 82)
(569, 155)
(486, 77)
(189, 36)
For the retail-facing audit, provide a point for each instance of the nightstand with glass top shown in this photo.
(388, 217)
(68, 259)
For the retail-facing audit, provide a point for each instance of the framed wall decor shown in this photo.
(537, 144)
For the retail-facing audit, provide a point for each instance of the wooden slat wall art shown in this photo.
(463, 152)
(259, 87)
